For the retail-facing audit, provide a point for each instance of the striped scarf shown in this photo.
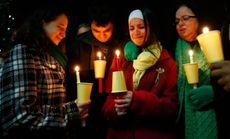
(147, 58)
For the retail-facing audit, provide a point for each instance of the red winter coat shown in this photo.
(154, 106)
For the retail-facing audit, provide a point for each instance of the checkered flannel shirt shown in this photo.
(32, 91)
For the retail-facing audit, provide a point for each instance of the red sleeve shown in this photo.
(162, 101)
(151, 101)
(108, 108)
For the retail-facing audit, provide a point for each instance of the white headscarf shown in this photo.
(136, 14)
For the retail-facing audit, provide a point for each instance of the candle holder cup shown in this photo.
(211, 45)
(99, 68)
(83, 95)
(118, 84)
(192, 73)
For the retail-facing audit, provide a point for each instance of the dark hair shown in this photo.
(100, 12)
(225, 33)
(31, 32)
(196, 8)
(152, 26)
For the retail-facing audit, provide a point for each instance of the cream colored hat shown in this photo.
(136, 14)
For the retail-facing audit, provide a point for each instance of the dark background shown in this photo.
(215, 11)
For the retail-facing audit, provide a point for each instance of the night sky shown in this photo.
(162, 8)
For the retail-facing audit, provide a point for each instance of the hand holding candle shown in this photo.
(83, 97)
(83, 92)
(211, 45)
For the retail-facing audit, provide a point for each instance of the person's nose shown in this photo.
(181, 21)
(137, 31)
(63, 34)
(102, 35)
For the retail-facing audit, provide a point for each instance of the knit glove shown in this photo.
(131, 51)
(201, 97)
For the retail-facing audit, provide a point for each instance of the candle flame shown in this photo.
(77, 68)
(99, 55)
(117, 53)
(205, 30)
(190, 52)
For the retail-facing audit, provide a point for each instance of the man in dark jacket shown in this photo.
(83, 52)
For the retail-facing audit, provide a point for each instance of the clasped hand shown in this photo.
(83, 108)
(221, 71)
(122, 103)
(201, 96)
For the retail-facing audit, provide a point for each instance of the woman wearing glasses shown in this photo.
(196, 119)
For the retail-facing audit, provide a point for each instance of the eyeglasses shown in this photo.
(183, 19)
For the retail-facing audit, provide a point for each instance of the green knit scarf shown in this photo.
(59, 56)
(198, 124)
(131, 51)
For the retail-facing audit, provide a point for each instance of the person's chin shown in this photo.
(56, 42)
(103, 41)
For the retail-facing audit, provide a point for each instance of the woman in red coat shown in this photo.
(149, 107)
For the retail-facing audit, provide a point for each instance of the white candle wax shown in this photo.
(190, 52)
(77, 74)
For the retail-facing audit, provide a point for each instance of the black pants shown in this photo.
(24, 133)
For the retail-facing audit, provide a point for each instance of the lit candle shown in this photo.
(211, 45)
(99, 66)
(77, 74)
(205, 30)
(190, 52)
(99, 70)
(99, 55)
(117, 52)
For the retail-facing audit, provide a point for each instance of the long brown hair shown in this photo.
(151, 26)
(31, 32)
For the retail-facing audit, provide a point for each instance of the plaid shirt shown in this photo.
(32, 92)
